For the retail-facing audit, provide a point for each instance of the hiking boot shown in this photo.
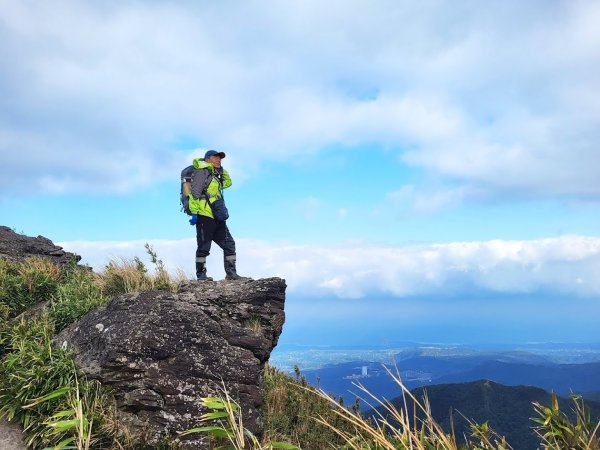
(201, 270)
(230, 272)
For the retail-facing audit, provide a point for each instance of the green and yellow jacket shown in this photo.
(220, 180)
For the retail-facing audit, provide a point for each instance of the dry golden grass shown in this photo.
(123, 275)
(392, 429)
(32, 269)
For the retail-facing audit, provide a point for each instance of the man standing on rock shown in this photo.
(209, 213)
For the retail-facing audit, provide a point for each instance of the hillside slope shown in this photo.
(508, 409)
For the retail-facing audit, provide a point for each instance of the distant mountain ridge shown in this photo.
(508, 368)
(508, 409)
(562, 378)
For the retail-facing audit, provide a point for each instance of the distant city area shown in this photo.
(312, 358)
(344, 372)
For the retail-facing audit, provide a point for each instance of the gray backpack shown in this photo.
(187, 175)
(186, 188)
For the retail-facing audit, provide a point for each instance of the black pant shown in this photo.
(208, 230)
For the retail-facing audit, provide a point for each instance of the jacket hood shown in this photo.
(199, 163)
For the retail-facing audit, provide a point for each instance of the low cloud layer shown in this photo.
(498, 97)
(566, 265)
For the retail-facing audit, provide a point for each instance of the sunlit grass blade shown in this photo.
(55, 394)
(214, 431)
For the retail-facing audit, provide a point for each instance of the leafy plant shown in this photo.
(4, 328)
(79, 422)
(229, 426)
(30, 370)
(558, 432)
(26, 283)
(484, 438)
(39, 388)
(74, 297)
(290, 407)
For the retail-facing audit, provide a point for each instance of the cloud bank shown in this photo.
(499, 97)
(565, 265)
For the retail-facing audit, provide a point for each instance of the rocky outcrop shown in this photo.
(17, 247)
(11, 436)
(162, 352)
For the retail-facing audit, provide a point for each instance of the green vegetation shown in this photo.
(75, 296)
(226, 425)
(59, 408)
(25, 284)
(39, 384)
(290, 408)
(558, 432)
(67, 293)
(395, 429)
(30, 371)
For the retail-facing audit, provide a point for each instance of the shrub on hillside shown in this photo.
(290, 408)
(4, 328)
(39, 386)
(26, 283)
(287, 399)
(32, 369)
(558, 432)
(77, 294)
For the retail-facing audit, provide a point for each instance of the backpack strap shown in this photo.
(219, 179)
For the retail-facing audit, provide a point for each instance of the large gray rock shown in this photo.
(16, 247)
(162, 352)
(11, 436)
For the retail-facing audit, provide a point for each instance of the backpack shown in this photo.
(186, 188)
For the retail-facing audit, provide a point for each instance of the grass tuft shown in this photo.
(26, 283)
(225, 425)
(75, 296)
(123, 275)
(289, 411)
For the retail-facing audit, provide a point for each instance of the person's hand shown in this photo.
(194, 219)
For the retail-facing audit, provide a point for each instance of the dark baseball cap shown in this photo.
(213, 153)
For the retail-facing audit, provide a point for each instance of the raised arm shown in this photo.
(226, 179)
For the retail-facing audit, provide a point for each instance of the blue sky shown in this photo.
(430, 169)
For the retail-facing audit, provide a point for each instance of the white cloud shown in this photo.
(499, 96)
(565, 265)
(428, 200)
(309, 207)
